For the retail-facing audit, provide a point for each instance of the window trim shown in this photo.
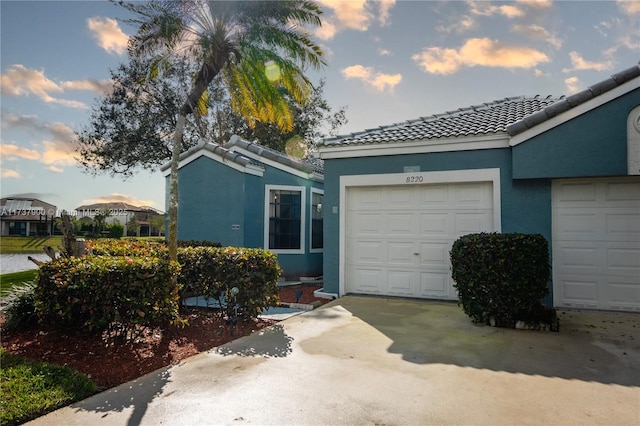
(303, 213)
(311, 249)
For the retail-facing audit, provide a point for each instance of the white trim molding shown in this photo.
(419, 178)
(311, 249)
(251, 169)
(424, 146)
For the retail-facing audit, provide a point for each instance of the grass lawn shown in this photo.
(9, 245)
(7, 281)
(32, 388)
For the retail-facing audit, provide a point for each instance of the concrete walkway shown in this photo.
(366, 361)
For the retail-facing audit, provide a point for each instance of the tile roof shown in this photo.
(307, 165)
(574, 100)
(508, 116)
(480, 120)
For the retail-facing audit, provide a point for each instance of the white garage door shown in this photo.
(596, 243)
(399, 237)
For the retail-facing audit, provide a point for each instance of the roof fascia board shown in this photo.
(272, 163)
(576, 111)
(422, 147)
(249, 169)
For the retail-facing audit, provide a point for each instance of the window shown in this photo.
(316, 220)
(285, 218)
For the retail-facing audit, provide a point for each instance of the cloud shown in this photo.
(538, 32)
(629, 7)
(10, 174)
(538, 73)
(101, 87)
(572, 84)
(12, 152)
(478, 52)
(384, 52)
(536, 4)
(458, 25)
(352, 15)
(377, 80)
(118, 198)
(580, 64)
(56, 169)
(109, 35)
(484, 8)
(21, 81)
(57, 148)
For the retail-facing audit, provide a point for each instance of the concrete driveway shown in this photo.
(365, 360)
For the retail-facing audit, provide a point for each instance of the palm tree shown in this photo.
(259, 48)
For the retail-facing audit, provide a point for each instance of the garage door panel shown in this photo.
(400, 224)
(368, 252)
(435, 225)
(401, 282)
(400, 253)
(434, 253)
(434, 284)
(596, 243)
(364, 224)
(399, 238)
(368, 281)
(472, 222)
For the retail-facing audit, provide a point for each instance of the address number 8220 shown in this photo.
(414, 179)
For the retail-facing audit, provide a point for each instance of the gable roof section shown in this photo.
(247, 157)
(574, 105)
(486, 123)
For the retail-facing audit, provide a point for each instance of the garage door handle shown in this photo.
(417, 254)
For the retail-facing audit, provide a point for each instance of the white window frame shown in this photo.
(303, 213)
(311, 249)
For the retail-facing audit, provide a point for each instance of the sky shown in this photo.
(387, 61)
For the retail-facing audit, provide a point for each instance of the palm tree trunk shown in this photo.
(173, 188)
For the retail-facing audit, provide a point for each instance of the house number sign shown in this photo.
(414, 179)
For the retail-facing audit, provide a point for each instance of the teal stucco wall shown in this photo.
(525, 205)
(592, 144)
(219, 203)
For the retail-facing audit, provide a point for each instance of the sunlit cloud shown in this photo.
(56, 169)
(572, 84)
(538, 73)
(58, 130)
(384, 52)
(369, 76)
(484, 8)
(58, 153)
(538, 32)
(118, 198)
(13, 152)
(536, 4)
(580, 64)
(629, 7)
(352, 15)
(101, 87)
(10, 174)
(458, 25)
(21, 81)
(478, 52)
(109, 35)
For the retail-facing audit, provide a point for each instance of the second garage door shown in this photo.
(399, 237)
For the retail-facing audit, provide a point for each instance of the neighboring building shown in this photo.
(137, 221)
(398, 196)
(26, 217)
(246, 195)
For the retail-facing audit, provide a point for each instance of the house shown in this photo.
(245, 195)
(26, 217)
(568, 168)
(137, 221)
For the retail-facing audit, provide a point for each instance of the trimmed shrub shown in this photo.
(20, 307)
(116, 230)
(212, 272)
(501, 278)
(131, 248)
(198, 243)
(119, 295)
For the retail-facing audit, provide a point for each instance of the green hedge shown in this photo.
(213, 272)
(104, 293)
(501, 277)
